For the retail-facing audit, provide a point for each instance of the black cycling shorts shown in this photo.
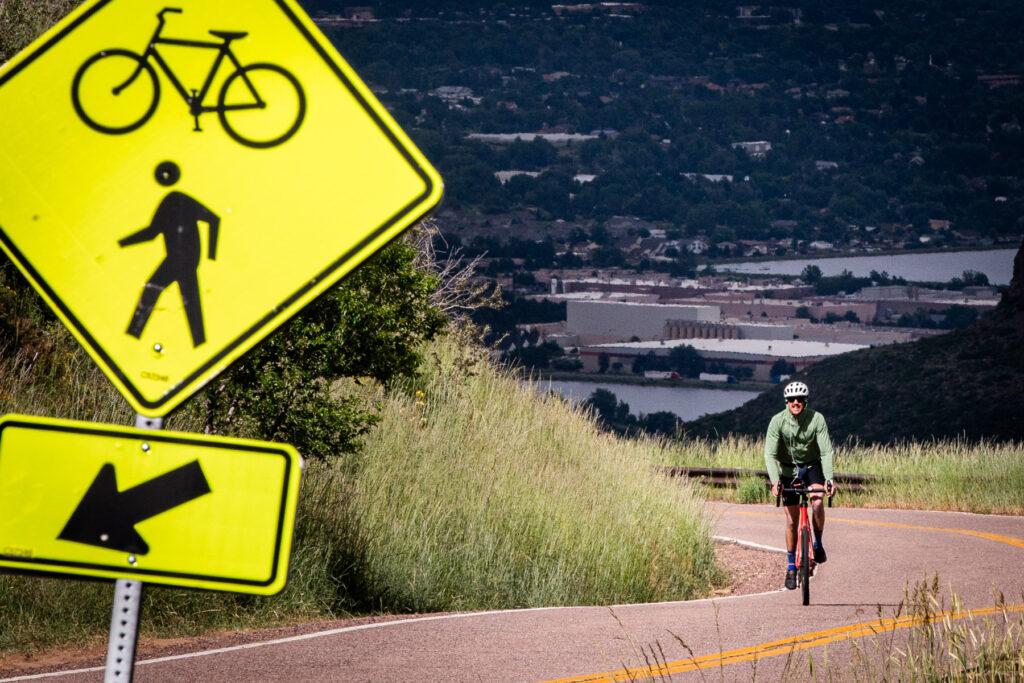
(812, 474)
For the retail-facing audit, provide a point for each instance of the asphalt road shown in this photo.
(874, 556)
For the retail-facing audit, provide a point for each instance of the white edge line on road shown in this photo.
(415, 620)
(749, 544)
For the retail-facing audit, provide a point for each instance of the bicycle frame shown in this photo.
(805, 497)
(804, 531)
(195, 100)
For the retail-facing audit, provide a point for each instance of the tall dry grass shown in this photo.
(930, 639)
(475, 493)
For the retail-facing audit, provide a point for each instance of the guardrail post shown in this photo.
(124, 615)
(727, 476)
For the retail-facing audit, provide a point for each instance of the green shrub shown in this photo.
(752, 490)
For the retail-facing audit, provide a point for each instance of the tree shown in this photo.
(603, 361)
(686, 361)
(599, 234)
(663, 423)
(811, 274)
(603, 402)
(782, 367)
(371, 325)
(649, 361)
(969, 278)
(958, 317)
(607, 257)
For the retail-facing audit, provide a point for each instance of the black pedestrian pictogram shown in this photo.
(177, 219)
(260, 105)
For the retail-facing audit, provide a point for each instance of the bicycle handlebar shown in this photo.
(160, 21)
(783, 489)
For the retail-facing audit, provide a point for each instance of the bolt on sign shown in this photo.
(162, 507)
(177, 181)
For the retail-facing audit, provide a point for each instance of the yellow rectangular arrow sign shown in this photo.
(159, 506)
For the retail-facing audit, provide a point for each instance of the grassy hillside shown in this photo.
(472, 493)
(967, 384)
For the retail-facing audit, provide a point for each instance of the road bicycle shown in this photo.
(110, 95)
(804, 556)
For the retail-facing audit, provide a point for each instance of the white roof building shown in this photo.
(739, 349)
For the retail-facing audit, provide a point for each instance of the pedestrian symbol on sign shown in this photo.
(177, 219)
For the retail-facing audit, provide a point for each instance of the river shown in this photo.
(997, 264)
(688, 403)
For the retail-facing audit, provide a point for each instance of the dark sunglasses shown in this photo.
(796, 399)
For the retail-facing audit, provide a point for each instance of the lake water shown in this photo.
(688, 403)
(997, 264)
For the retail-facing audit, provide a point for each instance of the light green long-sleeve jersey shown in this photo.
(795, 441)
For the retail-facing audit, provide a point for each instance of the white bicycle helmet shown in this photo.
(796, 390)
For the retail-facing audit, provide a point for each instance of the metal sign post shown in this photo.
(124, 615)
(124, 631)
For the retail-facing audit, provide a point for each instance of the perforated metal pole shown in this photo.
(124, 631)
(124, 616)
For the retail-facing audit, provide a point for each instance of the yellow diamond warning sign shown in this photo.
(177, 181)
(164, 507)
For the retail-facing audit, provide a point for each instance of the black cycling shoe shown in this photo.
(819, 555)
(791, 579)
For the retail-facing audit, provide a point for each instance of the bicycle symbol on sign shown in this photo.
(259, 105)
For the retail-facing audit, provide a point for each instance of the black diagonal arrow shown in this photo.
(107, 518)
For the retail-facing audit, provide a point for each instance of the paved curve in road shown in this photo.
(874, 555)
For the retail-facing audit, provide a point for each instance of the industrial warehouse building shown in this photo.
(759, 354)
(605, 321)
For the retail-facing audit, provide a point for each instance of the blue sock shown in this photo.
(817, 539)
(791, 559)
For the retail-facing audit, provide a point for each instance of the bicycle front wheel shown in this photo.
(115, 91)
(261, 105)
(805, 566)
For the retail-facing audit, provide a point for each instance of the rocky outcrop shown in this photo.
(1013, 299)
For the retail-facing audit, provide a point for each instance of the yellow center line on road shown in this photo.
(998, 538)
(782, 647)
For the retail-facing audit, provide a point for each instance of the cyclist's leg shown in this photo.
(792, 522)
(791, 504)
(815, 479)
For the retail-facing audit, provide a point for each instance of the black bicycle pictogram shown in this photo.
(110, 97)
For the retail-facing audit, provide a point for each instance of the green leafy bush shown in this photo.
(752, 490)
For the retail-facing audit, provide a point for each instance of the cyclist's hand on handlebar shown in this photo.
(831, 488)
(777, 489)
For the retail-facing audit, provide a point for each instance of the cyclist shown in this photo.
(798, 447)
